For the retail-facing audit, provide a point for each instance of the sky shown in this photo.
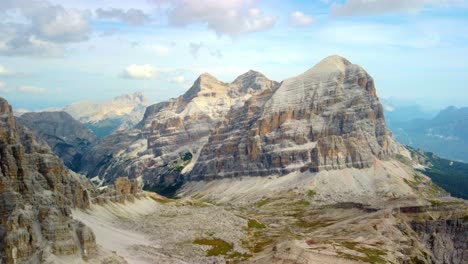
(56, 52)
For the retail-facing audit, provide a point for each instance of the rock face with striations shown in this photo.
(326, 118)
(171, 129)
(446, 239)
(67, 137)
(37, 193)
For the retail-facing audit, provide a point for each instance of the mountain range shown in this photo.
(299, 171)
(444, 134)
(104, 118)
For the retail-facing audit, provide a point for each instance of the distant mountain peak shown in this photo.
(136, 97)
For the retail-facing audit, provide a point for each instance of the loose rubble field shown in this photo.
(289, 228)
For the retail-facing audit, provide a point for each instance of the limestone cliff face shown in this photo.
(446, 239)
(36, 194)
(67, 137)
(326, 118)
(170, 129)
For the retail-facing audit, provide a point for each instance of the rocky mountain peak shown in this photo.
(206, 85)
(5, 108)
(252, 81)
(135, 98)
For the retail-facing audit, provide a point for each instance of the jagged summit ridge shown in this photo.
(327, 118)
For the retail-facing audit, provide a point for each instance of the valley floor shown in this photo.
(289, 228)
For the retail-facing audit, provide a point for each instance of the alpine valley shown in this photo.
(253, 171)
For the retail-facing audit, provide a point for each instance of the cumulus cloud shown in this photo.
(299, 19)
(22, 89)
(134, 17)
(31, 89)
(5, 72)
(40, 28)
(145, 71)
(234, 17)
(178, 79)
(378, 7)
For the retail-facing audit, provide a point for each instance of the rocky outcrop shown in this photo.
(123, 189)
(446, 239)
(326, 118)
(37, 193)
(68, 138)
(154, 149)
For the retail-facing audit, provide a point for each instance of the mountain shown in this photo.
(105, 118)
(67, 137)
(39, 196)
(171, 129)
(446, 134)
(37, 193)
(397, 111)
(325, 120)
(299, 171)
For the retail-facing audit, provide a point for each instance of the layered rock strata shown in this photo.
(37, 193)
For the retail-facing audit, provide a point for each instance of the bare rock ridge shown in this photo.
(170, 129)
(327, 118)
(36, 194)
(67, 137)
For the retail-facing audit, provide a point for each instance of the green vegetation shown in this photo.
(301, 203)
(252, 223)
(403, 159)
(187, 156)
(450, 175)
(260, 245)
(435, 202)
(218, 246)
(263, 202)
(168, 191)
(416, 260)
(161, 200)
(311, 193)
(373, 255)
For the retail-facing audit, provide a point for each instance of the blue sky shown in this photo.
(55, 52)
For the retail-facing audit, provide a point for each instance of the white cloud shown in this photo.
(234, 17)
(178, 79)
(145, 71)
(40, 28)
(378, 7)
(30, 89)
(22, 89)
(134, 17)
(159, 50)
(5, 72)
(299, 19)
